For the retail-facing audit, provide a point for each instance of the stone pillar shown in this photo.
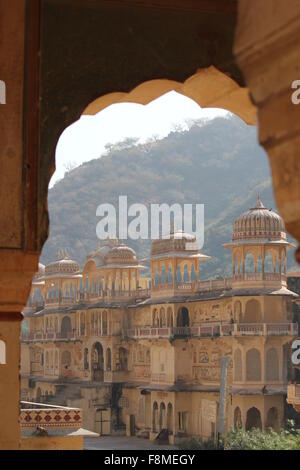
(267, 50)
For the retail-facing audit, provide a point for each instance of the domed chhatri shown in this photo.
(62, 265)
(259, 222)
(258, 248)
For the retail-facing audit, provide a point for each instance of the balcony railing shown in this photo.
(216, 329)
(49, 416)
(259, 277)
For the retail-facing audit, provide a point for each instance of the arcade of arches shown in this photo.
(257, 51)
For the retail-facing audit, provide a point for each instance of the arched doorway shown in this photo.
(66, 327)
(272, 419)
(162, 416)
(183, 318)
(97, 362)
(237, 420)
(170, 418)
(253, 419)
(155, 417)
(108, 359)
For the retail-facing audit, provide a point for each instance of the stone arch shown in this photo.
(272, 365)
(238, 366)
(155, 417)
(97, 362)
(253, 419)
(209, 87)
(162, 416)
(237, 419)
(2, 352)
(66, 327)
(183, 317)
(253, 365)
(253, 312)
(272, 419)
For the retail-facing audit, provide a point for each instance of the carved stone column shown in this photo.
(267, 50)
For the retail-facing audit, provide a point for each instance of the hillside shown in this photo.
(218, 164)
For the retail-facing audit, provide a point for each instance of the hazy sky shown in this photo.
(86, 139)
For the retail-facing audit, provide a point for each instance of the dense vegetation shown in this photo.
(255, 439)
(219, 164)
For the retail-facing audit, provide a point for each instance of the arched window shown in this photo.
(104, 322)
(108, 359)
(2, 352)
(238, 366)
(249, 263)
(170, 276)
(253, 365)
(66, 327)
(86, 359)
(268, 263)
(123, 360)
(186, 277)
(253, 419)
(178, 275)
(183, 318)
(253, 312)
(155, 318)
(162, 317)
(163, 278)
(97, 362)
(272, 365)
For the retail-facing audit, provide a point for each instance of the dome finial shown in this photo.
(258, 201)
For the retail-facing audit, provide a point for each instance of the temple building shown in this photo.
(145, 357)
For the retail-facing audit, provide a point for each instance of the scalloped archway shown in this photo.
(208, 87)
